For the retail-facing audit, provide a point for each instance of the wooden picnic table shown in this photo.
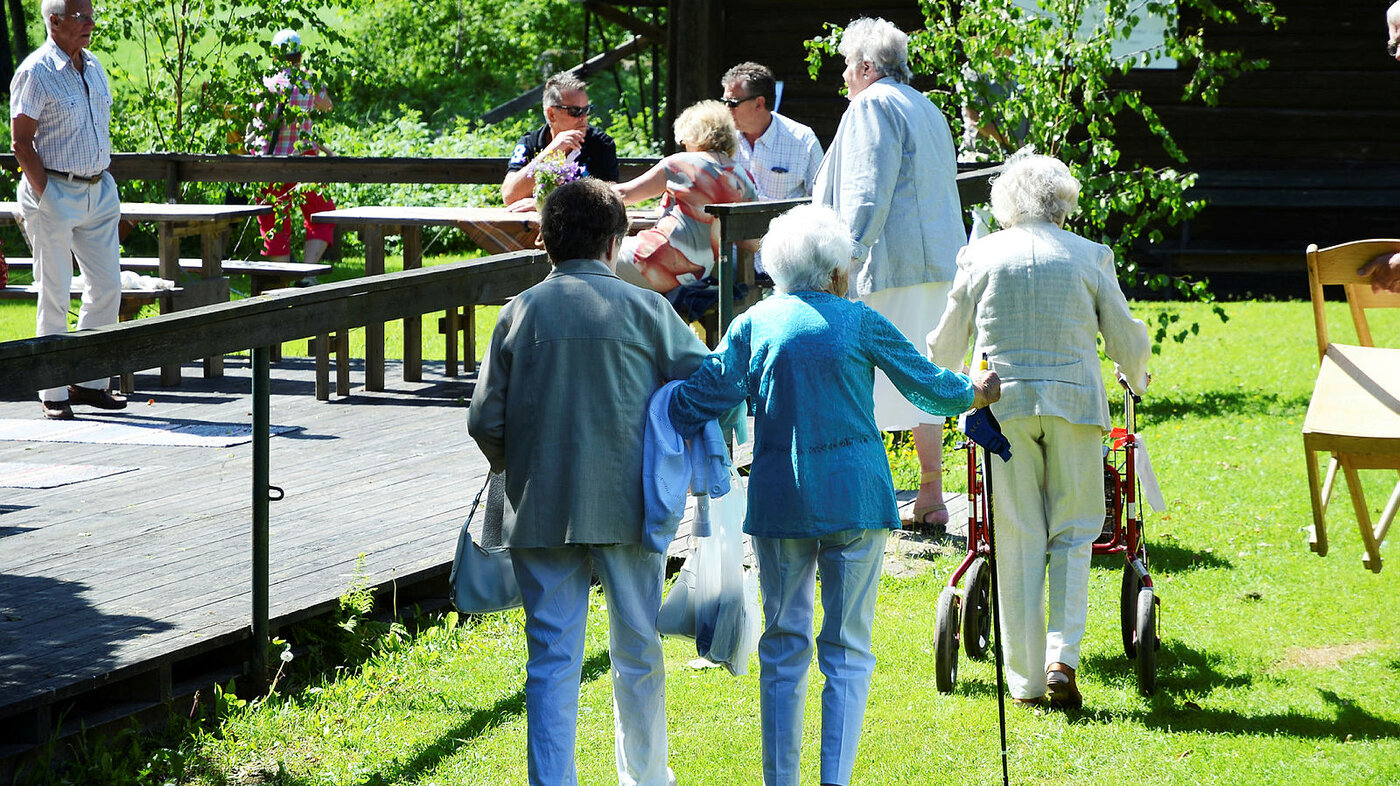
(210, 223)
(495, 229)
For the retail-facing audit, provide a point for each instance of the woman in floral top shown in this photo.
(683, 246)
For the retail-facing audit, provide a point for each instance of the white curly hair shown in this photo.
(881, 43)
(804, 247)
(1034, 188)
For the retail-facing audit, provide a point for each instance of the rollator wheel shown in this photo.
(945, 640)
(1128, 608)
(1147, 642)
(977, 610)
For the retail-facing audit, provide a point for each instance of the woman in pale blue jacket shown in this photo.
(891, 174)
(820, 495)
(1034, 298)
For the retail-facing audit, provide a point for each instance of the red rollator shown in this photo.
(964, 616)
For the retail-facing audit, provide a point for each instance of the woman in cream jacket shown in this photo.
(1034, 297)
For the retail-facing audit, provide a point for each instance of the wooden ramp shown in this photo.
(121, 593)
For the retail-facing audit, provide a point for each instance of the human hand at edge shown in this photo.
(1384, 271)
(565, 142)
(986, 388)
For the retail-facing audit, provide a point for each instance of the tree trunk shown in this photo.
(7, 57)
(20, 36)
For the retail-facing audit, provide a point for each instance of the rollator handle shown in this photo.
(981, 426)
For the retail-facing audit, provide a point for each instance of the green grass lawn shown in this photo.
(1277, 666)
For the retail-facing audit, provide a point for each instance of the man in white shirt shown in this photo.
(782, 154)
(60, 117)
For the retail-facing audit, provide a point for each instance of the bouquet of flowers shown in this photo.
(551, 171)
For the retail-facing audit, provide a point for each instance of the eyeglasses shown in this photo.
(735, 102)
(80, 18)
(574, 111)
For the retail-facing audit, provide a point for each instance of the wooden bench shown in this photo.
(262, 275)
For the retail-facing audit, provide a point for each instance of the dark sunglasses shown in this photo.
(575, 111)
(734, 102)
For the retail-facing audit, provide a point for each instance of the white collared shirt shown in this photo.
(783, 161)
(74, 109)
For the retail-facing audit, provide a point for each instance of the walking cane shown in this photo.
(982, 427)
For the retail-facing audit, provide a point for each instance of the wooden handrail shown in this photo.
(176, 168)
(266, 320)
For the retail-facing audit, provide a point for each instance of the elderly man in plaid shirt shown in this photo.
(282, 130)
(782, 154)
(60, 117)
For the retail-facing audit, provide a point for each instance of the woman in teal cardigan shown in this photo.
(820, 495)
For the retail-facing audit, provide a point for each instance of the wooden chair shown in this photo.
(1354, 413)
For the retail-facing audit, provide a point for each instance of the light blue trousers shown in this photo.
(849, 564)
(554, 586)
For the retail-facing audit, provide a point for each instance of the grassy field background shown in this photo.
(1277, 666)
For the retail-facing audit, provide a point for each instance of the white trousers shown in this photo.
(73, 220)
(554, 585)
(915, 310)
(1049, 507)
(849, 563)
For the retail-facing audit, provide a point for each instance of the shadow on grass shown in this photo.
(1182, 671)
(1215, 403)
(1351, 722)
(477, 724)
(1165, 556)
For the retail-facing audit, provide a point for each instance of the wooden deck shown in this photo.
(123, 593)
(137, 585)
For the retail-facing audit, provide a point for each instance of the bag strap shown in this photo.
(491, 534)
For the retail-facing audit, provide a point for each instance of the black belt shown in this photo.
(72, 178)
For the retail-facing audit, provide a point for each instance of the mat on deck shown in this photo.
(162, 433)
(17, 475)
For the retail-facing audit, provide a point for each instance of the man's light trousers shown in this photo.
(73, 220)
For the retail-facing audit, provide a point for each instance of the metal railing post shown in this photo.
(261, 497)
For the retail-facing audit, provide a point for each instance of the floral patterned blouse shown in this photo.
(684, 244)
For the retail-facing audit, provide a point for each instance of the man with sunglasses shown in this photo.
(782, 154)
(60, 118)
(565, 129)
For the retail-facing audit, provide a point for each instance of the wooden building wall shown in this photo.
(1305, 151)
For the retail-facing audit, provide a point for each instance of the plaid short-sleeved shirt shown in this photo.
(73, 109)
(783, 161)
(297, 96)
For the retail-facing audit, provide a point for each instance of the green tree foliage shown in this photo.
(197, 67)
(445, 58)
(1063, 86)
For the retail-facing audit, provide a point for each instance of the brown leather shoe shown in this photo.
(1061, 688)
(96, 397)
(57, 410)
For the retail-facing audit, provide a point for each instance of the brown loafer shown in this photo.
(1031, 704)
(1061, 688)
(57, 410)
(96, 397)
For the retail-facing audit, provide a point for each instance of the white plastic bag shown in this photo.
(715, 599)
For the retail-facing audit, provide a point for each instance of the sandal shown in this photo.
(919, 519)
(1060, 685)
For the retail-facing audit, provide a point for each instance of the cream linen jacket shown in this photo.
(1034, 298)
(891, 174)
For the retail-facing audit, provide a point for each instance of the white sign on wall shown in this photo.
(1146, 38)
